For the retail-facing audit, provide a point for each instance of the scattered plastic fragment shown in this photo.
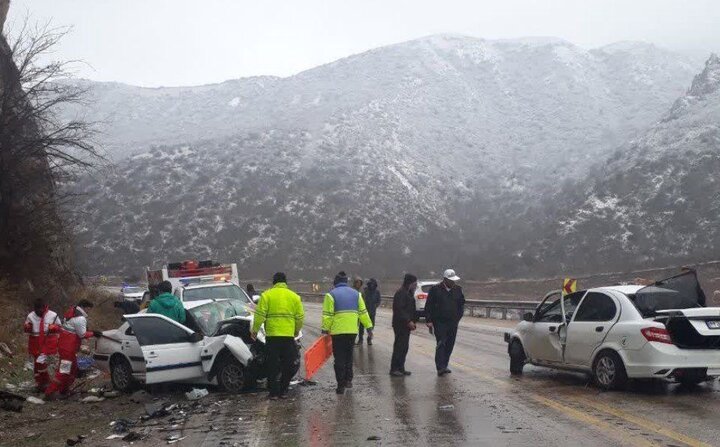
(446, 407)
(132, 436)
(35, 400)
(91, 399)
(196, 394)
(373, 438)
(174, 438)
(139, 396)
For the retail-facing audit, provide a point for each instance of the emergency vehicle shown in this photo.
(198, 281)
(187, 272)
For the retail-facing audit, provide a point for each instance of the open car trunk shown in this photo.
(697, 328)
(678, 302)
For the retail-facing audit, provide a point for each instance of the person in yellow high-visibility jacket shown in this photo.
(282, 312)
(343, 307)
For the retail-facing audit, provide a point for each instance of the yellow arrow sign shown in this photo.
(569, 286)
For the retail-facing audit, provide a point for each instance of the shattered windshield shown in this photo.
(677, 292)
(209, 315)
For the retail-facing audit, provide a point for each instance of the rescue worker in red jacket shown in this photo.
(72, 333)
(42, 325)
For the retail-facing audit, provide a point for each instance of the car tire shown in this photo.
(121, 374)
(517, 357)
(231, 375)
(609, 371)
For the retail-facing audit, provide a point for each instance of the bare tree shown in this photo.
(39, 152)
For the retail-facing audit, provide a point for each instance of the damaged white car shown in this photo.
(616, 333)
(212, 347)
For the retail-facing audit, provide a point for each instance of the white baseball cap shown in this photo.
(451, 275)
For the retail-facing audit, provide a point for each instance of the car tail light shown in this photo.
(422, 296)
(660, 335)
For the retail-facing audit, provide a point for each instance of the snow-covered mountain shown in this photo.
(657, 199)
(403, 157)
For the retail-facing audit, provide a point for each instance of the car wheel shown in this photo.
(121, 374)
(517, 357)
(231, 375)
(609, 371)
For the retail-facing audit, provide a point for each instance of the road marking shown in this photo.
(610, 429)
(604, 427)
(642, 422)
(261, 434)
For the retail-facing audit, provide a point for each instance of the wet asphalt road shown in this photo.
(488, 407)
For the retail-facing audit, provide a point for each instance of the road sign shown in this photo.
(569, 286)
(316, 355)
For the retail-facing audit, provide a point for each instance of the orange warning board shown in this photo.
(317, 354)
(569, 286)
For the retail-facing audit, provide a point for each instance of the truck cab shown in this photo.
(211, 290)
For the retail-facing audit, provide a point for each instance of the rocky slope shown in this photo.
(410, 156)
(657, 200)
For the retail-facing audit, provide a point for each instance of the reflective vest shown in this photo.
(73, 330)
(43, 333)
(343, 307)
(281, 310)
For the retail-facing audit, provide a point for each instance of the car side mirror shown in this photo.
(195, 337)
(528, 316)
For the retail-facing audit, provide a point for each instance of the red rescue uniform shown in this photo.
(72, 332)
(42, 342)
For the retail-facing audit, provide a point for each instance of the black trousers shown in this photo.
(361, 328)
(445, 334)
(281, 354)
(400, 348)
(342, 346)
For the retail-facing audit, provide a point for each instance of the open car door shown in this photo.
(171, 351)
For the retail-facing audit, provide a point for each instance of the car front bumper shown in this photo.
(661, 360)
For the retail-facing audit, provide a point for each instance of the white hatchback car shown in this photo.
(621, 332)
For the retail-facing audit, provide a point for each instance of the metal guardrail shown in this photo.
(499, 309)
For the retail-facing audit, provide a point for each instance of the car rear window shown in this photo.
(426, 288)
(678, 292)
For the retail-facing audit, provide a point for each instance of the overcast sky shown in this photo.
(188, 42)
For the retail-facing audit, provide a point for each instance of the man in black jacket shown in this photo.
(372, 298)
(403, 322)
(443, 310)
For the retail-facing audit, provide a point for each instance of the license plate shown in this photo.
(714, 324)
(713, 372)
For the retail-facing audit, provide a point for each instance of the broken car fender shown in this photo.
(210, 352)
(239, 349)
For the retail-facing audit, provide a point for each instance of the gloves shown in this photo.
(97, 334)
(28, 328)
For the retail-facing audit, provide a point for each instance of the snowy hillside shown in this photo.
(407, 156)
(657, 200)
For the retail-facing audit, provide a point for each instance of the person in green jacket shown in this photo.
(282, 312)
(343, 307)
(167, 304)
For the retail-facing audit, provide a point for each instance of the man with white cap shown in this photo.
(444, 309)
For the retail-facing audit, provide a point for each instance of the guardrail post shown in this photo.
(504, 313)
